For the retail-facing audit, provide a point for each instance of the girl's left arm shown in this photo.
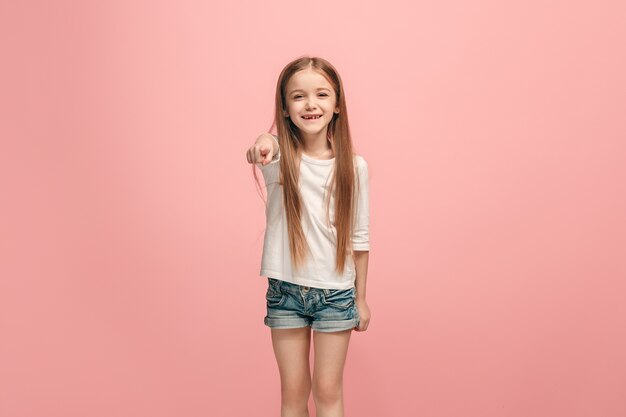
(361, 245)
(360, 238)
(361, 259)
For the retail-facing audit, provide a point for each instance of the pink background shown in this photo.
(131, 230)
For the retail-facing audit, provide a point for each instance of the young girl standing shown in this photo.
(316, 246)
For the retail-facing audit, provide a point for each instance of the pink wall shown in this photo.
(131, 230)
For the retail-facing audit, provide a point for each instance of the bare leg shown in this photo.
(291, 348)
(330, 357)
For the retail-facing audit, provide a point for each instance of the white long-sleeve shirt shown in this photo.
(319, 269)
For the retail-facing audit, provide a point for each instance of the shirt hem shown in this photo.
(308, 282)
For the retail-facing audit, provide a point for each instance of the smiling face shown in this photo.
(311, 102)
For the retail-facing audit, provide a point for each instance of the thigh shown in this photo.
(331, 349)
(291, 348)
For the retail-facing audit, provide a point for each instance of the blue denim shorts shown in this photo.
(291, 306)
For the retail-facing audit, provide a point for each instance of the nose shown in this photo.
(310, 103)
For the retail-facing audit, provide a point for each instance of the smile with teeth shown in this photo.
(311, 117)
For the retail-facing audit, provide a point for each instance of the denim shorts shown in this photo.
(291, 306)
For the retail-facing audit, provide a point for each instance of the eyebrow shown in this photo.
(318, 89)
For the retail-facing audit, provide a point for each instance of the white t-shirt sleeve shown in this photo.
(360, 235)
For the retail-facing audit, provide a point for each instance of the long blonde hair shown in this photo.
(344, 174)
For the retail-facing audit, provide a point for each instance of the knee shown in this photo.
(295, 394)
(327, 391)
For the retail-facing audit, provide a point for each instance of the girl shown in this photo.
(316, 246)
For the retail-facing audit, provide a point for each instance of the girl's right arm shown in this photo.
(264, 149)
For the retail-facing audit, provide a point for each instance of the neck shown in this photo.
(315, 144)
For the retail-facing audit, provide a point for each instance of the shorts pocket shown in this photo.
(339, 298)
(274, 296)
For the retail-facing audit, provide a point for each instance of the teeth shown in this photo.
(315, 117)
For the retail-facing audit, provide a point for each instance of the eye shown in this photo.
(323, 94)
